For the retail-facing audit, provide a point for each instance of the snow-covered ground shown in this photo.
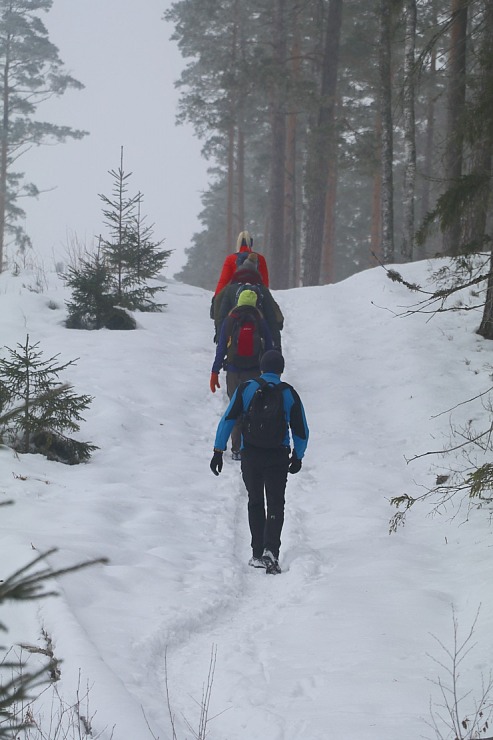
(345, 642)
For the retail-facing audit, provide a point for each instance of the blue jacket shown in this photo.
(293, 408)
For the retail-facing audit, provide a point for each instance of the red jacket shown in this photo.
(229, 268)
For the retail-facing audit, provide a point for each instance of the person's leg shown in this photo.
(232, 383)
(252, 475)
(275, 475)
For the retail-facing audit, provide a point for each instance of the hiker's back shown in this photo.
(264, 423)
(235, 260)
(245, 342)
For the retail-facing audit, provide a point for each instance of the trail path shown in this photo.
(331, 643)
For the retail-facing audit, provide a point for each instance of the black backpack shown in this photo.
(264, 423)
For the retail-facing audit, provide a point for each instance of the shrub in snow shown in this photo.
(36, 410)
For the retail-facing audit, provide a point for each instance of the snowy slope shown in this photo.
(344, 642)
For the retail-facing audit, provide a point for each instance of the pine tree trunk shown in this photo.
(327, 272)
(429, 132)
(4, 157)
(241, 180)
(476, 218)
(486, 326)
(321, 147)
(290, 189)
(387, 146)
(290, 240)
(279, 267)
(409, 131)
(376, 255)
(456, 100)
(230, 189)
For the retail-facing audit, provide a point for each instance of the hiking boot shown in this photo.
(256, 562)
(235, 454)
(271, 563)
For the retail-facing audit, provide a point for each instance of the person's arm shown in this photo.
(229, 266)
(263, 269)
(298, 425)
(228, 419)
(221, 348)
(270, 317)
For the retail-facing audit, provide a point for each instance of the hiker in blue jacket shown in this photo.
(265, 469)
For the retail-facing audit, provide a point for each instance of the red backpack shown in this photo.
(245, 343)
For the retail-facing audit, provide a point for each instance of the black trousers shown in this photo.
(265, 474)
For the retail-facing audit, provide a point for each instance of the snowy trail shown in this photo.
(264, 625)
(338, 640)
(278, 653)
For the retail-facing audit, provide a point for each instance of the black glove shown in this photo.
(217, 462)
(294, 464)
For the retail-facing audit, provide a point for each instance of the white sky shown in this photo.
(120, 50)
(343, 643)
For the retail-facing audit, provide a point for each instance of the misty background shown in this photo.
(121, 51)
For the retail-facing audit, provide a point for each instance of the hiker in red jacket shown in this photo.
(234, 261)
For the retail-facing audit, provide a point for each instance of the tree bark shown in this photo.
(456, 101)
(476, 218)
(230, 189)
(321, 149)
(387, 145)
(290, 185)
(240, 221)
(327, 272)
(376, 255)
(429, 131)
(409, 131)
(4, 142)
(279, 267)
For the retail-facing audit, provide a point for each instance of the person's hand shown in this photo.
(214, 382)
(217, 462)
(294, 464)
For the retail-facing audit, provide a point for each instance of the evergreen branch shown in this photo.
(435, 296)
(25, 584)
(468, 440)
(39, 400)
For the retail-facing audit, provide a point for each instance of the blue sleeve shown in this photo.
(297, 422)
(220, 349)
(228, 419)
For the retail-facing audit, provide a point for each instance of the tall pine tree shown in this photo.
(30, 72)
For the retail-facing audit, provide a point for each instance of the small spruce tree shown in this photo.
(130, 251)
(144, 260)
(91, 283)
(40, 424)
(118, 213)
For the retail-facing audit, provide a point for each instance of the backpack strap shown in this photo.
(262, 383)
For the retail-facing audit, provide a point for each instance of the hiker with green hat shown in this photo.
(243, 338)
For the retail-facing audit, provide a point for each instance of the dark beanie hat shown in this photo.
(272, 362)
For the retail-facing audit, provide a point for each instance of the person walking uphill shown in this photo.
(233, 261)
(248, 275)
(270, 410)
(243, 338)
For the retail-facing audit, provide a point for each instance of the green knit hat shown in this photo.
(247, 298)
